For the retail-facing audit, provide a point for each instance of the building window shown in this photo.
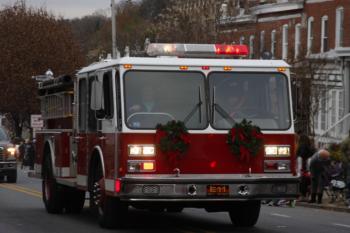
(310, 34)
(251, 46)
(285, 42)
(262, 42)
(324, 34)
(241, 40)
(297, 41)
(339, 27)
(273, 43)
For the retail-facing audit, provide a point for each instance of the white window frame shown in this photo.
(273, 43)
(285, 42)
(339, 27)
(262, 42)
(324, 34)
(310, 34)
(297, 41)
(251, 46)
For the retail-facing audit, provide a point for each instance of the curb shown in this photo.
(324, 207)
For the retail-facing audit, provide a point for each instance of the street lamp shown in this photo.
(114, 30)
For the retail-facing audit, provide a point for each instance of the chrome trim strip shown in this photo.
(55, 131)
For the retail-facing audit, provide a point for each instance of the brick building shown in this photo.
(296, 30)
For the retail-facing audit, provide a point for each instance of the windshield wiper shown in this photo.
(220, 110)
(197, 106)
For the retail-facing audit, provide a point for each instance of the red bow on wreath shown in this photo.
(245, 140)
(173, 140)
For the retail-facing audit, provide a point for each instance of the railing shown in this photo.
(58, 105)
(336, 133)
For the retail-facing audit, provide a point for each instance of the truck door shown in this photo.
(106, 127)
(80, 138)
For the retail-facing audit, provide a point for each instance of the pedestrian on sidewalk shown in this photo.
(304, 152)
(29, 154)
(318, 165)
(345, 147)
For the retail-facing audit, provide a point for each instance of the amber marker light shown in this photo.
(281, 69)
(183, 67)
(127, 66)
(227, 68)
(148, 166)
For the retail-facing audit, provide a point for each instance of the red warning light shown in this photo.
(212, 164)
(235, 50)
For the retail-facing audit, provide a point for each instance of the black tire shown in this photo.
(245, 214)
(111, 211)
(74, 200)
(52, 192)
(12, 177)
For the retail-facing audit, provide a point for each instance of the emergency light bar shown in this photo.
(196, 50)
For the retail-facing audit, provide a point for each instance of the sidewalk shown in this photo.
(338, 205)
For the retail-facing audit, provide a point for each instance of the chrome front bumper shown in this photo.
(158, 188)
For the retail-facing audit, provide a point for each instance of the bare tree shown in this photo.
(307, 92)
(31, 42)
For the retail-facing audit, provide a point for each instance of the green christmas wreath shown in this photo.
(173, 139)
(245, 140)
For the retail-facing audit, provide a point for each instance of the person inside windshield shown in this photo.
(234, 103)
(147, 101)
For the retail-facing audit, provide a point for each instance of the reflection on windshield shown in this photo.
(259, 97)
(153, 97)
(3, 136)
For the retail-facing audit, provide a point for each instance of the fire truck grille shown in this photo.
(150, 189)
(1, 153)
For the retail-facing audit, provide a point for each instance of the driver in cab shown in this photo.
(147, 102)
(231, 107)
(139, 113)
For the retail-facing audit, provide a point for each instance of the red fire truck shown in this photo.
(100, 136)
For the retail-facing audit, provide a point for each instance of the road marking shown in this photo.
(280, 215)
(341, 225)
(15, 188)
(24, 188)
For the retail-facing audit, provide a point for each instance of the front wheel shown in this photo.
(112, 213)
(245, 214)
(110, 210)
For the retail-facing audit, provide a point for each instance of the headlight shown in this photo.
(277, 151)
(11, 151)
(141, 150)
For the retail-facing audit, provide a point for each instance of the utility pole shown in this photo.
(114, 31)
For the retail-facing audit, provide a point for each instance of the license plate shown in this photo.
(218, 190)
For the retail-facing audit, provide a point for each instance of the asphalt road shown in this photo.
(22, 211)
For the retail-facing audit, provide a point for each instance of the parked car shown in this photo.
(8, 161)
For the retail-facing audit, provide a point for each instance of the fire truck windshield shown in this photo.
(153, 97)
(262, 98)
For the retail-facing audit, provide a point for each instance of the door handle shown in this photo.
(77, 138)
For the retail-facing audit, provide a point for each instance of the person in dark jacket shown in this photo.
(304, 152)
(29, 154)
(21, 151)
(318, 166)
(345, 148)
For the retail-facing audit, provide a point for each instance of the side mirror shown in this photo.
(96, 96)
